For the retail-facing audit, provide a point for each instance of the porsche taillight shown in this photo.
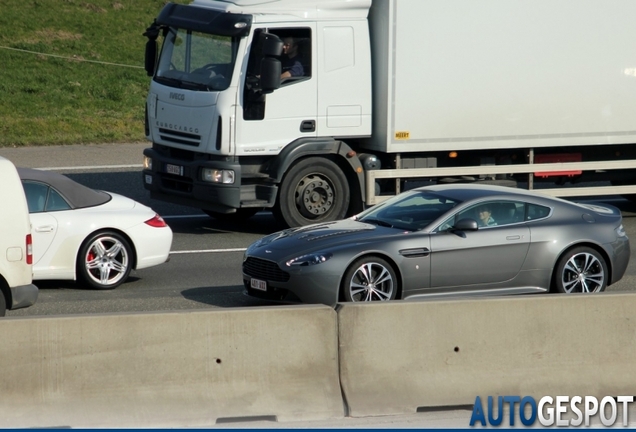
(29, 249)
(156, 222)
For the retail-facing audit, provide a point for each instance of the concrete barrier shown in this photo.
(183, 369)
(398, 357)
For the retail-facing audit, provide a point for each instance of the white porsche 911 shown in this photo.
(93, 237)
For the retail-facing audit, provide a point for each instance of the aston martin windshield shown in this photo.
(410, 211)
(196, 61)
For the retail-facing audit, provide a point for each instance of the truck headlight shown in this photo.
(218, 176)
(147, 163)
(309, 259)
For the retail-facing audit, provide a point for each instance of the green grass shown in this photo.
(49, 95)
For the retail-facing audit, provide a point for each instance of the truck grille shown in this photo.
(179, 184)
(265, 270)
(180, 137)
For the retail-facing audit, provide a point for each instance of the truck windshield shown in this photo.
(196, 61)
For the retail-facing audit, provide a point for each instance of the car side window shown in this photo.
(35, 195)
(482, 213)
(447, 224)
(56, 202)
(296, 57)
(537, 212)
(295, 66)
(489, 214)
(508, 212)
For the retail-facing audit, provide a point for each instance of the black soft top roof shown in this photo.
(77, 195)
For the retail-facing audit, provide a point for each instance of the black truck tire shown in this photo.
(314, 190)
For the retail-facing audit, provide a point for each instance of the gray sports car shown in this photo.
(444, 240)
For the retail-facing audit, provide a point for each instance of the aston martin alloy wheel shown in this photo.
(581, 270)
(104, 261)
(370, 279)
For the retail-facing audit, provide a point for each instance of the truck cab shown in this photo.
(392, 94)
(227, 123)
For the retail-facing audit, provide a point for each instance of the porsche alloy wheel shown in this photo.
(105, 261)
(581, 270)
(370, 279)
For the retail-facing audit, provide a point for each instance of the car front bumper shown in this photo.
(312, 284)
(620, 253)
(188, 189)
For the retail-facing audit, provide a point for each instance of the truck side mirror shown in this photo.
(151, 57)
(272, 48)
(272, 45)
(152, 33)
(270, 74)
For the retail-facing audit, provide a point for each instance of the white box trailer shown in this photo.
(390, 90)
(466, 74)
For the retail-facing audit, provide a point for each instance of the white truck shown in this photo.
(392, 92)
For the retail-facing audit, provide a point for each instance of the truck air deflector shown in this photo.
(205, 20)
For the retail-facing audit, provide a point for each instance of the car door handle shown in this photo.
(514, 237)
(44, 229)
(308, 126)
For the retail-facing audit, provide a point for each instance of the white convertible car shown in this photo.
(91, 236)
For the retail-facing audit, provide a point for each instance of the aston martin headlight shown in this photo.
(620, 231)
(309, 259)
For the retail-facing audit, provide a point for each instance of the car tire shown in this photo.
(3, 304)
(314, 190)
(581, 269)
(241, 214)
(370, 279)
(104, 260)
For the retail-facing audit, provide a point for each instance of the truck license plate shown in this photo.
(174, 169)
(258, 284)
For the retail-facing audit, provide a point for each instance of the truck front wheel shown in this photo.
(314, 190)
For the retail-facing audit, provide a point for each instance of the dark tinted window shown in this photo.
(537, 212)
(487, 214)
(411, 211)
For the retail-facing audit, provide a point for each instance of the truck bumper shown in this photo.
(187, 188)
(23, 296)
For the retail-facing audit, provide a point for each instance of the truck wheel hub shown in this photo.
(314, 196)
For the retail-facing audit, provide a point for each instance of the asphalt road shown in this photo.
(204, 270)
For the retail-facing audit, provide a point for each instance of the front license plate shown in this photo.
(258, 284)
(174, 169)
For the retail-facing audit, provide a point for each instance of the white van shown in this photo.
(16, 250)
